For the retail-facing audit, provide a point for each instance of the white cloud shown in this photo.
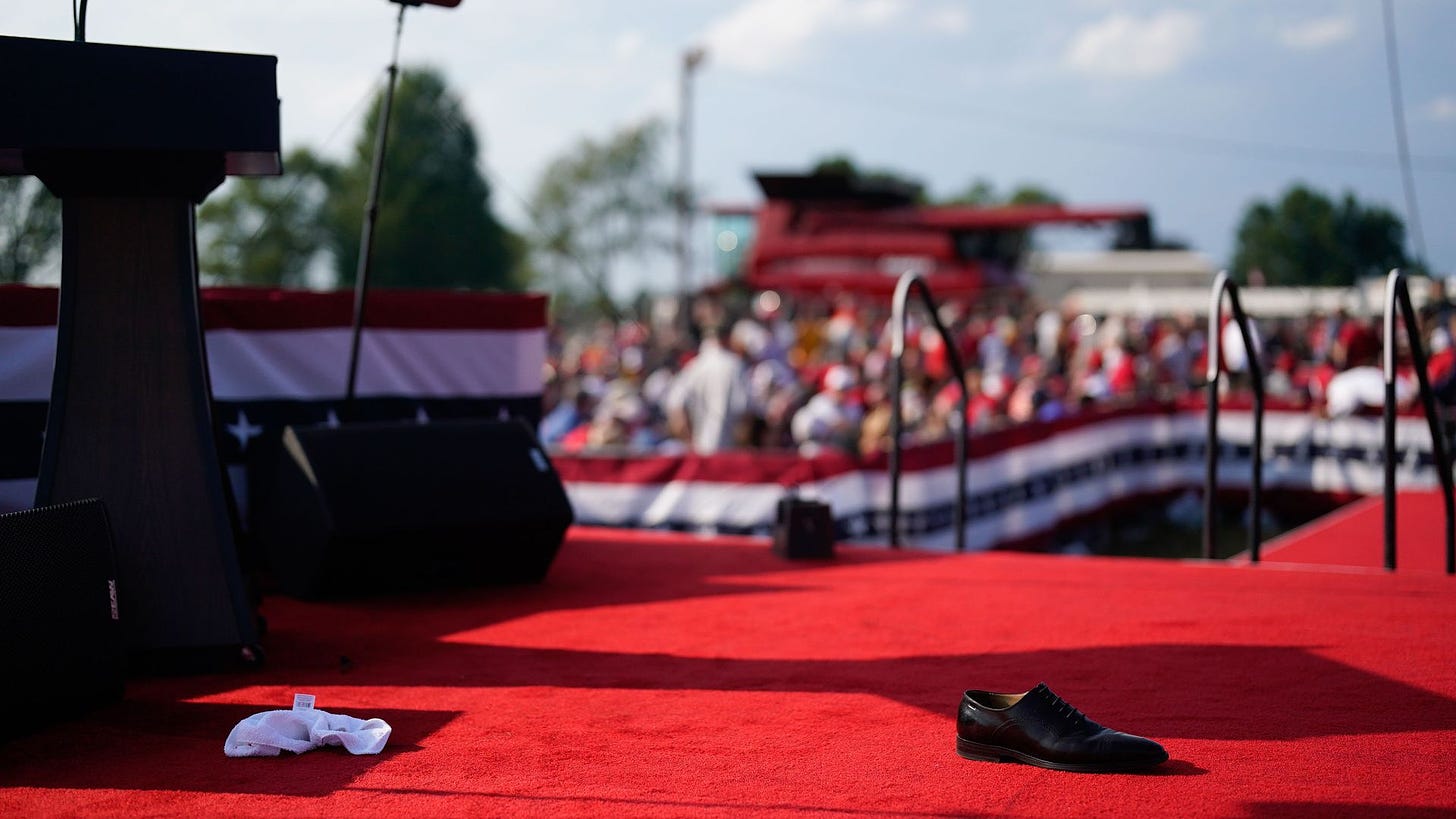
(1441, 109)
(1319, 33)
(1123, 45)
(872, 13)
(628, 44)
(764, 34)
(948, 20)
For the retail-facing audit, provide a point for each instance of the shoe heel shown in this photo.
(966, 749)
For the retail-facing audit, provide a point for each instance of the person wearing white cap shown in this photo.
(830, 418)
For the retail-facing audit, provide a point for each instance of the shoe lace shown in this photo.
(1064, 709)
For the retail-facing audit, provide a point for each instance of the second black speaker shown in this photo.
(365, 508)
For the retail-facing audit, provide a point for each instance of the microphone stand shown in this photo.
(371, 215)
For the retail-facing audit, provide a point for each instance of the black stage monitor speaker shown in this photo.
(61, 638)
(804, 528)
(365, 508)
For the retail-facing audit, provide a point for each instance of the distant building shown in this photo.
(1053, 275)
(825, 233)
(1128, 284)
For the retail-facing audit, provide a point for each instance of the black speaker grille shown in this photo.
(59, 606)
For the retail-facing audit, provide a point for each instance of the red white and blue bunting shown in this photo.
(279, 358)
(1022, 482)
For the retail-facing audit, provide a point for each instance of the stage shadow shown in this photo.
(1166, 691)
(1161, 690)
(118, 747)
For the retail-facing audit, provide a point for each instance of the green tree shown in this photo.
(1306, 238)
(982, 193)
(599, 205)
(844, 165)
(435, 227)
(30, 226)
(1029, 194)
(266, 230)
(836, 164)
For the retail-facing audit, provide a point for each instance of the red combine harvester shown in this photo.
(830, 233)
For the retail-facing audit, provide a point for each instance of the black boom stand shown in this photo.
(371, 206)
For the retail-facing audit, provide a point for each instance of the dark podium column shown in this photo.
(131, 139)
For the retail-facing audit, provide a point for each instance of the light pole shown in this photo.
(371, 206)
(691, 59)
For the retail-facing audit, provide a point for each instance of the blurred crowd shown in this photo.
(766, 372)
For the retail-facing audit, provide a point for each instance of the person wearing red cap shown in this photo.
(1359, 386)
(1441, 366)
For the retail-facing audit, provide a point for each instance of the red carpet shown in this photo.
(657, 675)
(1355, 536)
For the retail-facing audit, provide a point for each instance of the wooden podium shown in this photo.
(130, 139)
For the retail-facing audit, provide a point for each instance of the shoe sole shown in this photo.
(993, 753)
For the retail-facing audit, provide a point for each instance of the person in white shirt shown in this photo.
(708, 400)
(1363, 388)
(1235, 355)
(1360, 385)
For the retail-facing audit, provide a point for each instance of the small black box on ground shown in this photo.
(804, 529)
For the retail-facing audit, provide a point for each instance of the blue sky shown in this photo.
(1192, 109)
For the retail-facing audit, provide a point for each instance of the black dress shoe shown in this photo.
(1040, 728)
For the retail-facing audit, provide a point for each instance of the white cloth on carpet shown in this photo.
(272, 732)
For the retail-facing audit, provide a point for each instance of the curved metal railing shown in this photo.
(1223, 284)
(1397, 295)
(897, 383)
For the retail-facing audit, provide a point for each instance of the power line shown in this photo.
(353, 114)
(533, 218)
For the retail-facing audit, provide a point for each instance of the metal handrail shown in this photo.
(1397, 294)
(897, 383)
(1223, 284)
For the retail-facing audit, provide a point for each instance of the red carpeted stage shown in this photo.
(665, 675)
(1354, 536)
